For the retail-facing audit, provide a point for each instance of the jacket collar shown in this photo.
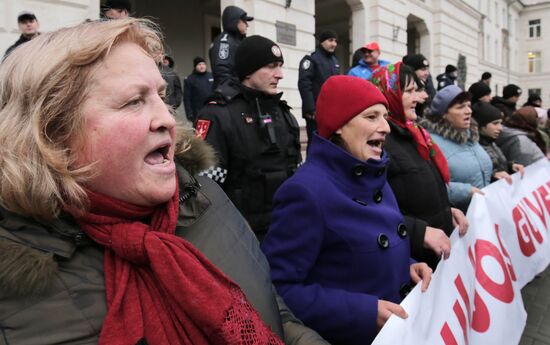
(447, 131)
(345, 168)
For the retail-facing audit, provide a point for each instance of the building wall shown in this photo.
(535, 80)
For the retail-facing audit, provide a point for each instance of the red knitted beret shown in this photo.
(341, 98)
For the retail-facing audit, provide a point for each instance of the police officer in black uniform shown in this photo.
(223, 48)
(252, 130)
(314, 70)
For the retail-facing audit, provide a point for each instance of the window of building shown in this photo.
(496, 14)
(533, 62)
(537, 92)
(534, 28)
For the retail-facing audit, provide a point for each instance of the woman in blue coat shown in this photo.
(337, 245)
(453, 129)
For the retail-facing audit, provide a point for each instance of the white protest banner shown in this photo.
(474, 297)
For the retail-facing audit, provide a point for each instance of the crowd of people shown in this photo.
(134, 229)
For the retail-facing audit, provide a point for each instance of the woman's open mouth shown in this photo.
(158, 156)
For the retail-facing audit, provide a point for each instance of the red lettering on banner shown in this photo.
(503, 292)
(544, 196)
(538, 211)
(447, 335)
(509, 264)
(525, 231)
(481, 319)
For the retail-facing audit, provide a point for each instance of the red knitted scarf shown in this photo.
(386, 78)
(159, 287)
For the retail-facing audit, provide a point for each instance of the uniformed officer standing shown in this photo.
(223, 48)
(252, 130)
(314, 70)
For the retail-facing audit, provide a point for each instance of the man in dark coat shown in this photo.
(447, 78)
(173, 83)
(254, 133)
(223, 48)
(315, 68)
(196, 88)
(28, 26)
(507, 103)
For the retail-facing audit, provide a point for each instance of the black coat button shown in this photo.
(404, 290)
(380, 171)
(360, 202)
(358, 170)
(383, 241)
(402, 230)
(80, 238)
(377, 197)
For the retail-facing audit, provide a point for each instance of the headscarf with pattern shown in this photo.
(386, 79)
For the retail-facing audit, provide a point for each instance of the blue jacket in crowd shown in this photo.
(469, 164)
(196, 89)
(363, 70)
(337, 243)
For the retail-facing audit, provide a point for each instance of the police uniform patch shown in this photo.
(223, 53)
(276, 51)
(306, 64)
(202, 128)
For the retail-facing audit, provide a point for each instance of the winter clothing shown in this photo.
(223, 48)
(416, 61)
(526, 118)
(197, 88)
(484, 113)
(197, 60)
(447, 78)
(314, 70)
(22, 39)
(336, 105)
(469, 164)
(119, 5)
(56, 268)
(500, 163)
(444, 98)
(511, 90)
(255, 52)
(420, 191)
(478, 90)
(518, 147)
(417, 169)
(140, 248)
(335, 251)
(257, 141)
(325, 35)
(533, 100)
(362, 70)
(173, 87)
(505, 105)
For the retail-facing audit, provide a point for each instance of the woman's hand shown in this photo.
(477, 190)
(436, 240)
(518, 168)
(386, 309)
(460, 220)
(421, 271)
(503, 175)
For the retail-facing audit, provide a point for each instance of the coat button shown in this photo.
(380, 171)
(404, 290)
(402, 230)
(360, 202)
(79, 239)
(377, 197)
(358, 170)
(383, 241)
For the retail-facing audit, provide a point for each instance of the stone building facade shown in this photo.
(499, 36)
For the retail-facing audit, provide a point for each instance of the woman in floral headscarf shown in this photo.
(418, 172)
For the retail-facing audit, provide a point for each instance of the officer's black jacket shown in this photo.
(252, 164)
(223, 48)
(314, 70)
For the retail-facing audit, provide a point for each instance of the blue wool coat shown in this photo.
(326, 243)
